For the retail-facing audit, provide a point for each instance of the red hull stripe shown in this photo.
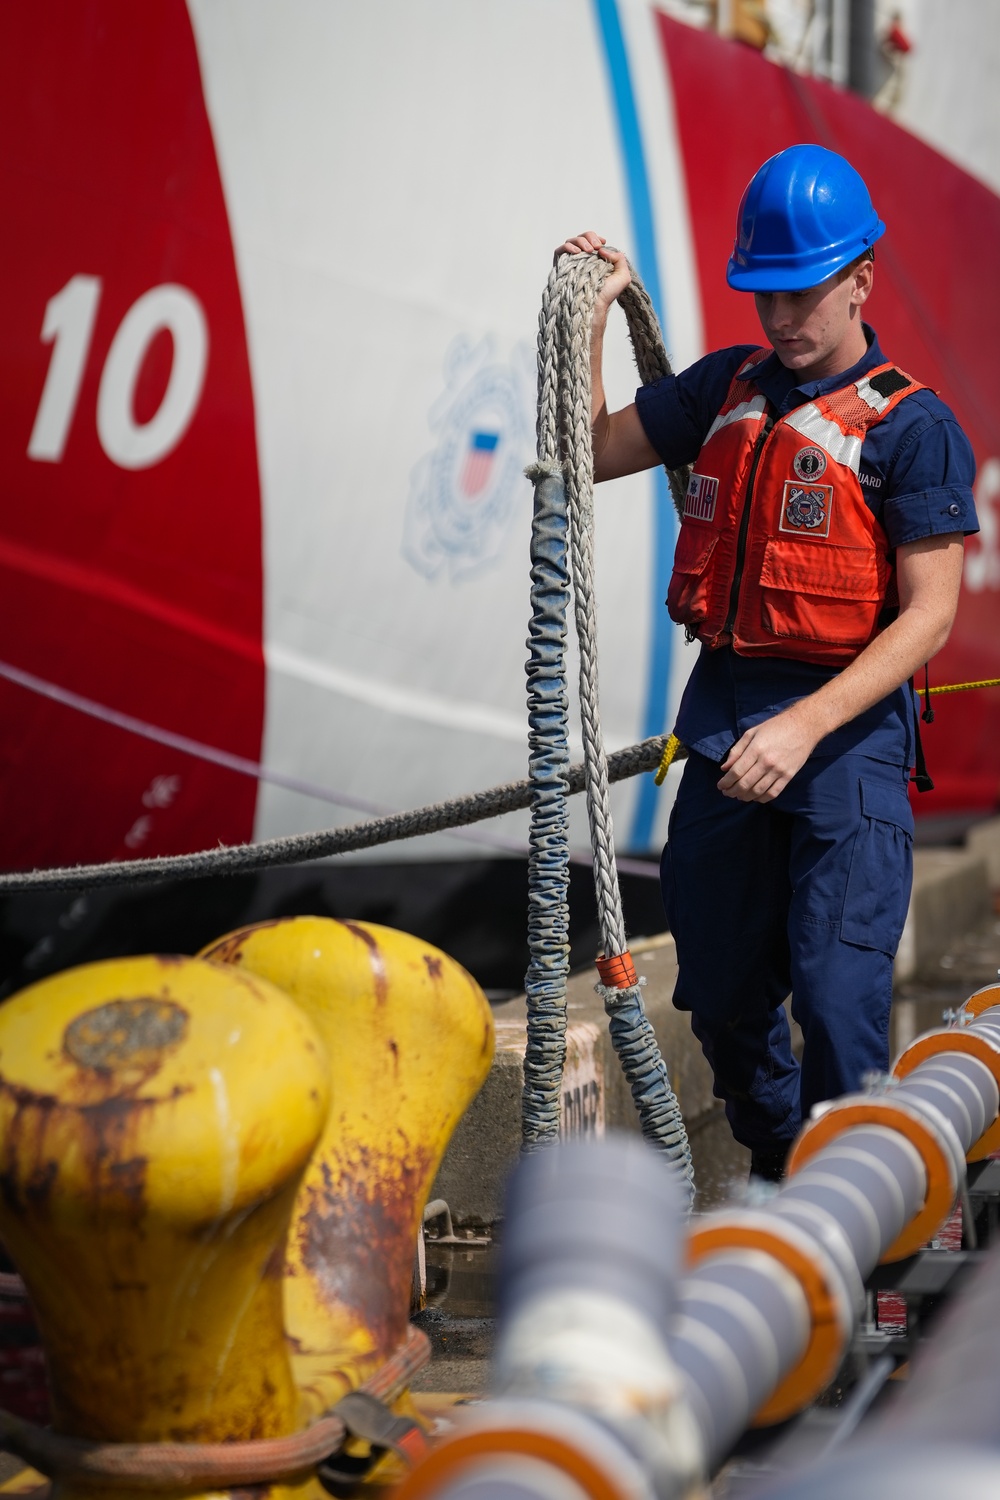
(130, 540)
(105, 589)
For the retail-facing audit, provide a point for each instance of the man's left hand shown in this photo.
(928, 575)
(762, 763)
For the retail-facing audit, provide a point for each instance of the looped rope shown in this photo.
(156, 1466)
(564, 499)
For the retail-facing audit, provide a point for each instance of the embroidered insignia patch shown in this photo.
(699, 502)
(809, 463)
(805, 510)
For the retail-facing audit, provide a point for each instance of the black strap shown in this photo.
(889, 382)
(928, 713)
(920, 777)
(368, 1418)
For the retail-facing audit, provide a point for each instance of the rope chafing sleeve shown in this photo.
(564, 440)
(548, 842)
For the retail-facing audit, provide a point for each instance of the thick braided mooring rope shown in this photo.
(564, 501)
(238, 859)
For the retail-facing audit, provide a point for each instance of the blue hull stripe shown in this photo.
(644, 250)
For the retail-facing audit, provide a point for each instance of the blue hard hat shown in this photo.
(805, 214)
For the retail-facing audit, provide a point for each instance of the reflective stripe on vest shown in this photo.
(778, 553)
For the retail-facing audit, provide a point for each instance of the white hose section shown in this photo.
(930, 1115)
(598, 1353)
(982, 1087)
(826, 1233)
(842, 1149)
(625, 1476)
(819, 1174)
(686, 1329)
(700, 1290)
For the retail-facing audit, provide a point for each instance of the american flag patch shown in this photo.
(699, 502)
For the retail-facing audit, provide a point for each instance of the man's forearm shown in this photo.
(885, 664)
(767, 756)
(620, 445)
(600, 422)
(930, 575)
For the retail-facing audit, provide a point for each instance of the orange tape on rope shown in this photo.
(618, 971)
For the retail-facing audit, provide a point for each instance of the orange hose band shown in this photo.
(884, 1110)
(618, 971)
(831, 1321)
(937, 1044)
(443, 1464)
(984, 999)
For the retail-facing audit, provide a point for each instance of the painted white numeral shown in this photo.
(128, 443)
(69, 320)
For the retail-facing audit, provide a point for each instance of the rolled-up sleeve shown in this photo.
(931, 478)
(677, 411)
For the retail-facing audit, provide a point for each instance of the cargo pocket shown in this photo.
(819, 591)
(881, 871)
(687, 596)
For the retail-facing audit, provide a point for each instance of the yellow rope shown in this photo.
(670, 749)
(957, 687)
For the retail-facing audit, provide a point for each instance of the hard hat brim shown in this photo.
(776, 274)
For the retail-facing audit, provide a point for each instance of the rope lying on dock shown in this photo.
(217, 1465)
(239, 859)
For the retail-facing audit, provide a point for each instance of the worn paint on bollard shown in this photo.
(410, 1038)
(156, 1116)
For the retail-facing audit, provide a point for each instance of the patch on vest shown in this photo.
(809, 463)
(805, 510)
(888, 383)
(699, 502)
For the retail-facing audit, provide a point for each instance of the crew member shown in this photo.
(818, 563)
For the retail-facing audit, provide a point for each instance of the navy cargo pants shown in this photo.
(808, 895)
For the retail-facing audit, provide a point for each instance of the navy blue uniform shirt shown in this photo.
(916, 474)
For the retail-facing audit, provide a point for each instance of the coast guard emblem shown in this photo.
(464, 494)
(805, 509)
(809, 463)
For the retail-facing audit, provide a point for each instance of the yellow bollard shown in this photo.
(156, 1115)
(410, 1039)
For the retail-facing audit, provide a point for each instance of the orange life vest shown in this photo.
(778, 554)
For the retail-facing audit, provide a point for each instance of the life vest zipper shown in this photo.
(741, 540)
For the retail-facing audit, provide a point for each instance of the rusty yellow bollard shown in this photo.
(410, 1039)
(156, 1115)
